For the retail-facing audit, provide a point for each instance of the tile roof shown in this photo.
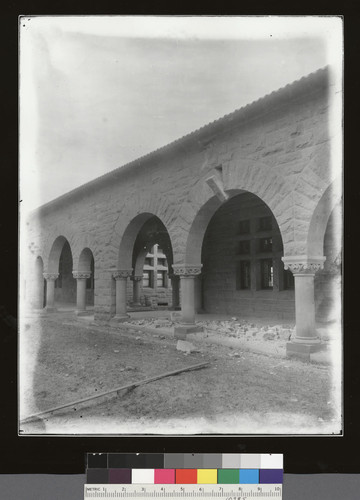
(306, 84)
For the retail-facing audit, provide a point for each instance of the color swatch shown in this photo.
(188, 468)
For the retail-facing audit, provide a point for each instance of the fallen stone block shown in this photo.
(185, 346)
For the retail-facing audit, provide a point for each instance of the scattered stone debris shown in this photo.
(269, 336)
(153, 322)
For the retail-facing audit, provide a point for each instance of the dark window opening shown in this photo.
(244, 247)
(265, 223)
(243, 275)
(160, 280)
(148, 261)
(289, 282)
(267, 274)
(244, 227)
(162, 262)
(265, 245)
(147, 279)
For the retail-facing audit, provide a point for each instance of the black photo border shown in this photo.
(66, 455)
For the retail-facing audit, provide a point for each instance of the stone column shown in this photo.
(50, 290)
(121, 277)
(81, 291)
(136, 289)
(188, 274)
(306, 340)
(198, 296)
(175, 291)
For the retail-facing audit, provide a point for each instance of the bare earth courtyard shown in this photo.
(244, 389)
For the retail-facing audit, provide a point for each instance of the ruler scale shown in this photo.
(184, 476)
(178, 491)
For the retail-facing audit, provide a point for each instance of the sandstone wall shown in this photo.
(277, 150)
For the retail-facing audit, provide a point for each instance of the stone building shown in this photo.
(153, 288)
(247, 211)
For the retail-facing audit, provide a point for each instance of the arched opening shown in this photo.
(241, 252)
(61, 262)
(152, 259)
(87, 266)
(330, 199)
(328, 279)
(39, 297)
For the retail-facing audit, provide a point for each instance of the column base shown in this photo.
(119, 318)
(181, 331)
(306, 340)
(302, 349)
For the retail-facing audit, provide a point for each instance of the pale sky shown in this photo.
(97, 92)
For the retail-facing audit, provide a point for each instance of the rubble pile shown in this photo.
(232, 328)
(242, 329)
(153, 322)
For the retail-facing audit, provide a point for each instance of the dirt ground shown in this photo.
(63, 360)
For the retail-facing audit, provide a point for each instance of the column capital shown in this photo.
(78, 275)
(121, 274)
(187, 269)
(302, 264)
(51, 276)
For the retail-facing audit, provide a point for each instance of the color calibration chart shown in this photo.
(225, 476)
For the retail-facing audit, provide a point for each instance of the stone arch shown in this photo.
(60, 262)
(80, 243)
(134, 212)
(200, 223)
(86, 264)
(55, 252)
(240, 177)
(53, 247)
(127, 242)
(318, 223)
(84, 261)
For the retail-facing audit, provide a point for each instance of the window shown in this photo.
(289, 283)
(147, 279)
(267, 273)
(243, 275)
(244, 247)
(160, 280)
(162, 262)
(244, 227)
(148, 261)
(265, 223)
(265, 245)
